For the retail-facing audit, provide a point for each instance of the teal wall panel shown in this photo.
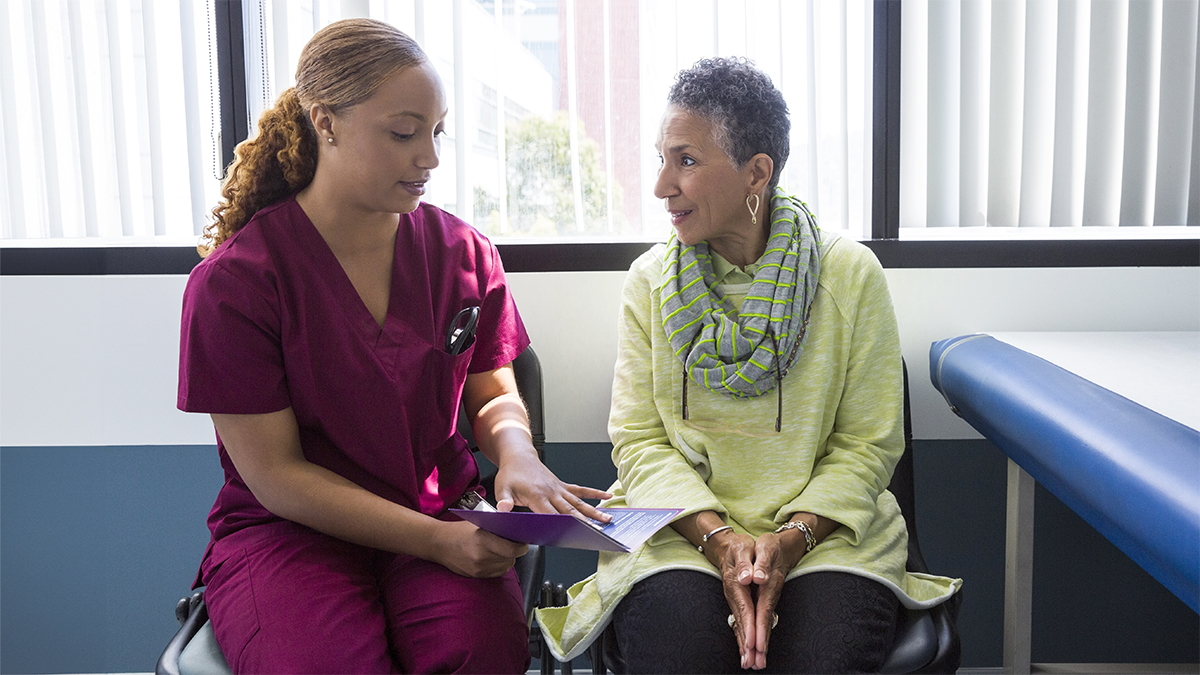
(97, 544)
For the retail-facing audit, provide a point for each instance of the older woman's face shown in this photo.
(703, 192)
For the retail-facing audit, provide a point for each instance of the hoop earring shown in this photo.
(752, 209)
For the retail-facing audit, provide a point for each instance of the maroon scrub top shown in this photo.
(270, 320)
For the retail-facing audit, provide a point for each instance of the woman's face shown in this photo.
(386, 147)
(703, 192)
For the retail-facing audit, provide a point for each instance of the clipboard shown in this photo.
(628, 529)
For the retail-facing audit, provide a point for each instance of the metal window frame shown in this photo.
(617, 256)
(231, 78)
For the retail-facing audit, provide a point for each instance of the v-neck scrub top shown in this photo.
(270, 320)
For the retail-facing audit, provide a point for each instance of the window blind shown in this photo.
(1043, 115)
(107, 109)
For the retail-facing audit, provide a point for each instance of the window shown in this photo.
(1034, 119)
(581, 86)
(108, 124)
(1049, 119)
(554, 106)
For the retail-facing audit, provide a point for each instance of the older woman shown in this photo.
(758, 386)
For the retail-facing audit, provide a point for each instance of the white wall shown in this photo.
(91, 360)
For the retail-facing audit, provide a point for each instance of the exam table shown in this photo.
(1108, 423)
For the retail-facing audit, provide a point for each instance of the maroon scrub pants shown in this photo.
(287, 599)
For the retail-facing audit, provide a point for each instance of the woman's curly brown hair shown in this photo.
(340, 67)
(280, 160)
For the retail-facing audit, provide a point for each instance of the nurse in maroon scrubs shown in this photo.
(319, 332)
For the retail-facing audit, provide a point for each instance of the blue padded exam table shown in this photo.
(1108, 423)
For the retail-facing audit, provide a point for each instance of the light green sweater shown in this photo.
(842, 436)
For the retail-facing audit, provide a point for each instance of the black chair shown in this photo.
(926, 641)
(194, 651)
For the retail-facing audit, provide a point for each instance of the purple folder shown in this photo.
(628, 529)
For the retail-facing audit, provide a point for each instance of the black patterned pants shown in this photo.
(829, 622)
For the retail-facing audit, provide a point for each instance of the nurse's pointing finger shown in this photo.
(584, 492)
(585, 509)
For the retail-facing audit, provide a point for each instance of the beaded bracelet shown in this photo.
(708, 536)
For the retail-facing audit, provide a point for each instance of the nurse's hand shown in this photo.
(522, 480)
(471, 552)
(502, 431)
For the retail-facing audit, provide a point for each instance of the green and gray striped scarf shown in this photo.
(736, 357)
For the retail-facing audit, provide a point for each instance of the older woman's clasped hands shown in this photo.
(752, 572)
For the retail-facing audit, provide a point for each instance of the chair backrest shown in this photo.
(527, 370)
(926, 641)
(903, 489)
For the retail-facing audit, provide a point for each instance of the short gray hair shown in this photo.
(748, 113)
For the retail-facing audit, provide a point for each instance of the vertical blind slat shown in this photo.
(863, 16)
(1070, 113)
(121, 159)
(811, 136)
(258, 62)
(944, 131)
(1037, 133)
(172, 103)
(193, 127)
(154, 136)
(915, 103)
(1007, 99)
(1193, 215)
(834, 92)
(142, 166)
(12, 194)
(62, 117)
(1141, 113)
(732, 35)
(111, 200)
(1177, 120)
(44, 122)
(975, 48)
(83, 109)
(716, 22)
(281, 58)
(1106, 112)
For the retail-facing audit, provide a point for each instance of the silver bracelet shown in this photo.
(708, 536)
(810, 539)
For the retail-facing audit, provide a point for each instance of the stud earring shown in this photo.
(329, 139)
(752, 209)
